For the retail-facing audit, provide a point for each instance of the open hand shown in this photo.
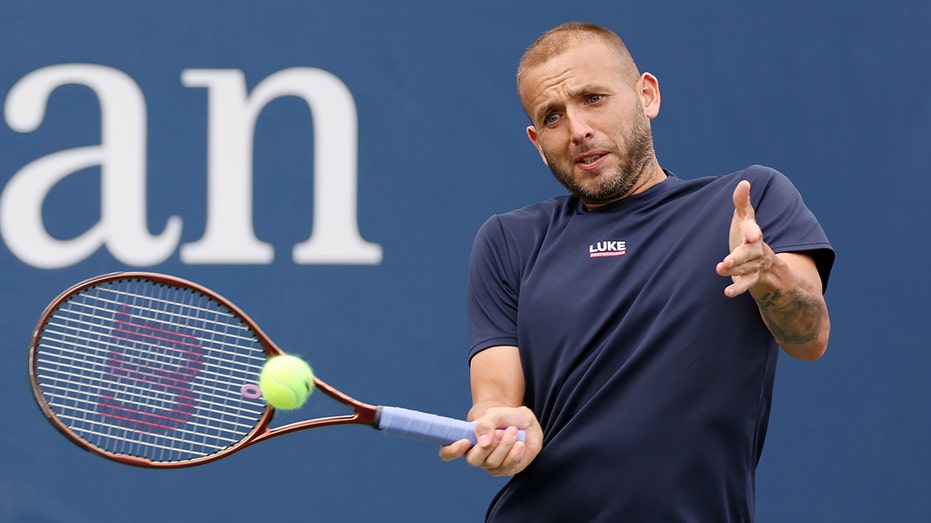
(750, 257)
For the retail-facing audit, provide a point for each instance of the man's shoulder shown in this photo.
(761, 178)
(543, 208)
(533, 214)
(756, 172)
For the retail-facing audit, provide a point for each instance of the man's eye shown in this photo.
(551, 118)
(594, 98)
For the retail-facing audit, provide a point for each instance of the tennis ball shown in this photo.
(286, 381)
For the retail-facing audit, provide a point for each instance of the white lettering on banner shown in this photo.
(121, 156)
(229, 237)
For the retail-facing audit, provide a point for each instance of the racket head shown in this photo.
(150, 370)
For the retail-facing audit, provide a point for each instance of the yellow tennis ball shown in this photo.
(286, 381)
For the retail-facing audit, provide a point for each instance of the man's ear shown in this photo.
(648, 89)
(535, 140)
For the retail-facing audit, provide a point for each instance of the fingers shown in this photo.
(497, 448)
(498, 452)
(747, 266)
(748, 257)
(744, 267)
(455, 450)
(740, 285)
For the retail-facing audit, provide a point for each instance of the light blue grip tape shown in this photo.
(427, 427)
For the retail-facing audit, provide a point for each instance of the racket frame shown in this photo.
(362, 413)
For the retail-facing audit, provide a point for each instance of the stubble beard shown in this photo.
(634, 161)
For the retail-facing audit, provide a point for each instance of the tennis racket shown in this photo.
(156, 371)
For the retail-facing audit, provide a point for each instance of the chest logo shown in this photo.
(607, 248)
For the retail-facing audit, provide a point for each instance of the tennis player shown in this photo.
(632, 327)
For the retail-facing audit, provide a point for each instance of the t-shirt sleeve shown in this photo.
(787, 223)
(492, 290)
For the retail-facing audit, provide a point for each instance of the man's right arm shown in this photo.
(498, 410)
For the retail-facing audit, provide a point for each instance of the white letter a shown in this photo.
(121, 157)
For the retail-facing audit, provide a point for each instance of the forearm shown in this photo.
(497, 379)
(792, 305)
(797, 320)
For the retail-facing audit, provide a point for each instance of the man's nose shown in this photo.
(579, 128)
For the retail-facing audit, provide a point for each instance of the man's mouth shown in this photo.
(590, 159)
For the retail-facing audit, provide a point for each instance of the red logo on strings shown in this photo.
(151, 367)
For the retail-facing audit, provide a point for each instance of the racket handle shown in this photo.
(427, 427)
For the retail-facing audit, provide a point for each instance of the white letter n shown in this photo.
(230, 235)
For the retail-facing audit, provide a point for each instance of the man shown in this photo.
(603, 323)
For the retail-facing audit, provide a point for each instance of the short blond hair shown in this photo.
(569, 35)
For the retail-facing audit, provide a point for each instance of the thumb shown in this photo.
(743, 209)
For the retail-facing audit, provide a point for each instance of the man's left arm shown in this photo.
(786, 286)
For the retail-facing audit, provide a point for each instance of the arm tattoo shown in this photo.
(793, 317)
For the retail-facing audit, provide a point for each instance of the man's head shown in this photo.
(589, 109)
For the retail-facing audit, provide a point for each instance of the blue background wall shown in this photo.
(834, 94)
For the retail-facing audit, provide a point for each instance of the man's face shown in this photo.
(589, 123)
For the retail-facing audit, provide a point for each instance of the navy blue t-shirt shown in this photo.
(652, 387)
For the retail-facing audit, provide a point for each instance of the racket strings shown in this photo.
(151, 371)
